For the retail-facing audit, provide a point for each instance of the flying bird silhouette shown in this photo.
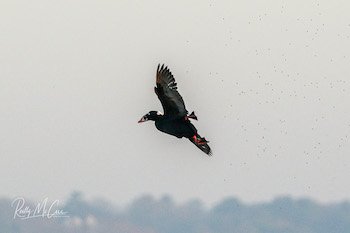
(175, 120)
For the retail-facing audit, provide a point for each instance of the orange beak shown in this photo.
(143, 119)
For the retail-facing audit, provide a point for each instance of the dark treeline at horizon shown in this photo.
(148, 214)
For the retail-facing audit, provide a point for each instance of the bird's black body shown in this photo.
(176, 127)
(175, 120)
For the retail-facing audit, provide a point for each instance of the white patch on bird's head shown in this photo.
(159, 113)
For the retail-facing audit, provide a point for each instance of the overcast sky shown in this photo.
(268, 80)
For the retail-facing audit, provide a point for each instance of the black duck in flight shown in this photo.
(175, 120)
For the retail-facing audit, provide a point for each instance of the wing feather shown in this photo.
(166, 90)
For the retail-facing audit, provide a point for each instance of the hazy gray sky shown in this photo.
(269, 81)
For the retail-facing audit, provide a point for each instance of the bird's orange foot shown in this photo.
(199, 141)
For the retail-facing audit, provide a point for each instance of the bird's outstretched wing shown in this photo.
(167, 93)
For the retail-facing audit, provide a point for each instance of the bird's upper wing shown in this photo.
(167, 93)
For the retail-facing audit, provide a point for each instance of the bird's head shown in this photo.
(152, 115)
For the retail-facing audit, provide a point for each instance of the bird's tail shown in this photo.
(201, 143)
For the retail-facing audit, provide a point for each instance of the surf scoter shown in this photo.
(175, 120)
